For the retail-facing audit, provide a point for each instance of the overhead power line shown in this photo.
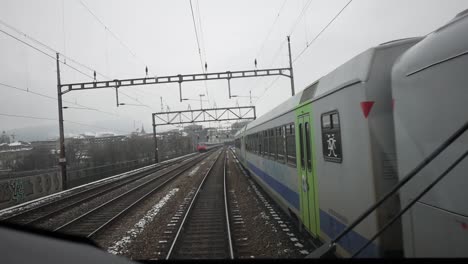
(43, 52)
(55, 119)
(29, 117)
(196, 36)
(54, 51)
(299, 18)
(262, 46)
(198, 44)
(309, 44)
(51, 49)
(66, 101)
(201, 30)
(121, 42)
(98, 127)
(112, 33)
(323, 30)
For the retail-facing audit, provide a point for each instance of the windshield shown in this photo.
(237, 130)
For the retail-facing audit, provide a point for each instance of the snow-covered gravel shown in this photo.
(120, 246)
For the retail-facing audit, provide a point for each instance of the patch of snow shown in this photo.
(120, 246)
(192, 172)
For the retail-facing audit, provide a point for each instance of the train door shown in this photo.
(305, 165)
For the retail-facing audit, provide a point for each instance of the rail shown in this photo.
(42, 211)
(190, 211)
(84, 224)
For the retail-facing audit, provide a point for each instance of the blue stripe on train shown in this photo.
(328, 224)
(288, 194)
(350, 242)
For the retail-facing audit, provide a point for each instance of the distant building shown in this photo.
(4, 138)
(12, 153)
(51, 146)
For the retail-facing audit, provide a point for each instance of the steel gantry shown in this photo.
(199, 116)
(180, 78)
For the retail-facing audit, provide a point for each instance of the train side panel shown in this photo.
(356, 151)
(278, 179)
(431, 95)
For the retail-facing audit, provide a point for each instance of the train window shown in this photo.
(257, 143)
(331, 137)
(265, 143)
(280, 143)
(307, 136)
(301, 146)
(335, 120)
(272, 143)
(290, 144)
(260, 144)
(326, 121)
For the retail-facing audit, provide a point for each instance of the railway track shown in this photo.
(93, 221)
(50, 209)
(204, 231)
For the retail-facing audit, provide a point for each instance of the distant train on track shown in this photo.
(205, 146)
(331, 151)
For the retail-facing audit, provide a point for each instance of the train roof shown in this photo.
(445, 43)
(355, 70)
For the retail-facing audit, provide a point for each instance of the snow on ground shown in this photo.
(192, 172)
(119, 247)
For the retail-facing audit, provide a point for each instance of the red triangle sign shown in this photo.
(366, 106)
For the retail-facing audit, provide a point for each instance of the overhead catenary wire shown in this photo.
(55, 119)
(196, 36)
(323, 30)
(272, 27)
(45, 53)
(66, 101)
(201, 30)
(202, 44)
(262, 46)
(52, 57)
(198, 45)
(29, 117)
(309, 43)
(299, 18)
(51, 49)
(112, 33)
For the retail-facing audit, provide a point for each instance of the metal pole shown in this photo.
(162, 108)
(62, 158)
(156, 159)
(291, 68)
(117, 95)
(180, 87)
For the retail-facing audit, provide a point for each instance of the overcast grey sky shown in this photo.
(161, 35)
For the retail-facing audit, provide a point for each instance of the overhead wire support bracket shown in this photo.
(199, 115)
(180, 78)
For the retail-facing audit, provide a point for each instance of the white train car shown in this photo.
(327, 188)
(431, 99)
(362, 128)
